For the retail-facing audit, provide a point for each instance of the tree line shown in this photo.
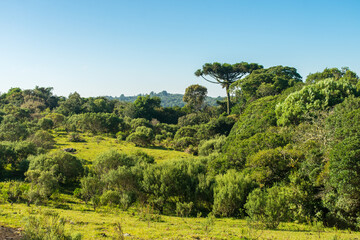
(167, 99)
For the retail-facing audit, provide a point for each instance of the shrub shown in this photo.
(184, 209)
(111, 159)
(211, 146)
(141, 137)
(318, 96)
(230, 193)
(125, 201)
(64, 166)
(91, 187)
(181, 144)
(46, 123)
(75, 137)
(44, 183)
(110, 197)
(269, 206)
(47, 226)
(139, 122)
(42, 139)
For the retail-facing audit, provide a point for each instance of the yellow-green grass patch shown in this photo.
(94, 145)
(101, 225)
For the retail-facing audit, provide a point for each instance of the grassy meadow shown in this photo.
(92, 145)
(140, 222)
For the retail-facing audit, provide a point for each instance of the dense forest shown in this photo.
(283, 149)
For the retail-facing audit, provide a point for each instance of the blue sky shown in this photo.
(129, 47)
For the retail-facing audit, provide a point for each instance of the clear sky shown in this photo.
(110, 47)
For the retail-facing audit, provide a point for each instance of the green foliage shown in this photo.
(141, 137)
(194, 96)
(307, 171)
(185, 137)
(111, 198)
(187, 131)
(72, 105)
(344, 122)
(49, 226)
(75, 137)
(176, 181)
(111, 160)
(257, 117)
(64, 166)
(236, 152)
(91, 188)
(334, 73)
(139, 122)
(15, 152)
(265, 82)
(42, 139)
(193, 119)
(14, 191)
(226, 74)
(95, 122)
(344, 198)
(12, 130)
(168, 100)
(230, 193)
(184, 209)
(145, 107)
(319, 96)
(211, 146)
(142, 158)
(98, 105)
(273, 165)
(270, 206)
(57, 119)
(46, 123)
(43, 184)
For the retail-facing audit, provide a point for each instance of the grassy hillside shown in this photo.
(91, 146)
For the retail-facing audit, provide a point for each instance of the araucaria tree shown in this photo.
(225, 74)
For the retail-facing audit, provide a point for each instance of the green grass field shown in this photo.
(94, 145)
(101, 224)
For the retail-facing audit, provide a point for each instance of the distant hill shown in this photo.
(167, 99)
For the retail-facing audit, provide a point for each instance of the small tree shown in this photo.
(91, 188)
(194, 96)
(270, 206)
(230, 193)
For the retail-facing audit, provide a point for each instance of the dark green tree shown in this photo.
(334, 73)
(225, 74)
(145, 107)
(194, 96)
(343, 199)
(269, 81)
(72, 105)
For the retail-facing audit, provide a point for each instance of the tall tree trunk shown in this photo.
(228, 99)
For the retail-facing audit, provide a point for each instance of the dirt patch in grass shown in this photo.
(8, 233)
